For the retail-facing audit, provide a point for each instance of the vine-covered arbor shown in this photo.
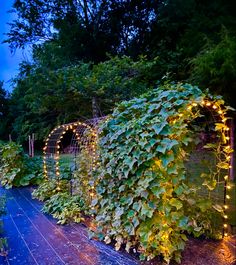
(142, 162)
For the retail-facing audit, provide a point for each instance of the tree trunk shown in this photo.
(95, 107)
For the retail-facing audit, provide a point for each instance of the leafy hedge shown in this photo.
(16, 168)
(143, 200)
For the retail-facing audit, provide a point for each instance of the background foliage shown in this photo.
(16, 168)
(45, 98)
(143, 198)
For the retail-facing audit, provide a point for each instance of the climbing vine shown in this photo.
(143, 201)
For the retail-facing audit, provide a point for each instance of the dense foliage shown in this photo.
(143, 198)
(185, 40)
(59, 202)
(66, 199)
(16, 168)
(46, 97)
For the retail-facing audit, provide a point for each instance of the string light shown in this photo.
(92, 148)
(227, 158)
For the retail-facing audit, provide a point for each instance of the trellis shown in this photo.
(84, 137)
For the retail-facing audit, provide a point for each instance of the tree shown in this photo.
(215, 67)
(44, 97)
(83, 29)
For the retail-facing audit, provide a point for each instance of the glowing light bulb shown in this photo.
(228, 187)
(226, 234)
(208, 104)
(227, 197)
(226, 216)
(194, 104)
(214, 107)
(226, 206)
(225, 225)
(220, 111)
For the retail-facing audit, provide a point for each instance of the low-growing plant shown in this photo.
(17, 168)
(64, 207)
(48, 188)
(3, 240)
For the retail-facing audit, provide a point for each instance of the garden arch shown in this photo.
(84, 136)
(149, 134)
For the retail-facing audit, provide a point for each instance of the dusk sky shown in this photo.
(8, 62)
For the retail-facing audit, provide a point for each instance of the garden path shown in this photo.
(35, 239)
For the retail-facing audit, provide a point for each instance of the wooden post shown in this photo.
(30, 146)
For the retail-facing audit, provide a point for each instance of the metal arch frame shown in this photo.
(52, 144)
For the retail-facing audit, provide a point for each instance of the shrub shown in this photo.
(16, 168)
(48, 188)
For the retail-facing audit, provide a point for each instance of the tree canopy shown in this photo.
(78, 52)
